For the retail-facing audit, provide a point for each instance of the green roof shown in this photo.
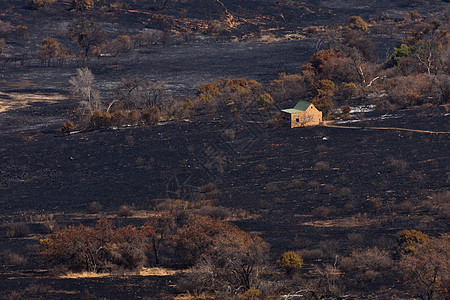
(301, 106)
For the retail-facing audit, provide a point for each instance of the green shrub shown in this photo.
(290, 261)
(357, 23)
(251, 294)
(407, 239)
(264, 101)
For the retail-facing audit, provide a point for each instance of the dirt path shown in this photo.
(385, 128)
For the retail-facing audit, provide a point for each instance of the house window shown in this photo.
(297, 120)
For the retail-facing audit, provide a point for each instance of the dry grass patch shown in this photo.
(349, 222)
(10, 101)
(141, 272)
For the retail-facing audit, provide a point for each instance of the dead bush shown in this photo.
(240, 214)
(329, 188)
(310, 255)
(172, 205)
(118, 118)
(314, 184)
(94, 207)
(125, 211)
(361, 261)
(271, 187)
(15, 230)
(209, 190)
(344, 192)
(329, 248)
(215, 212)
(13, 259)
(129, 140)
(132, 117)
(321, 212)
(276, 121)
(321, 148)
(355, 239)
(369, 276)
(375, 203)
(417, 176)
(441, 198)
(404, 207)
(151, 116)
(229, 135)
(260, 167)
(399, 166)
(350, 206)
(295, 184)
(321, 166)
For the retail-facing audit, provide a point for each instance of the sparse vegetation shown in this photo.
(191, 165)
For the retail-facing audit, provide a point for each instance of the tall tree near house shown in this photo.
(81, 85)
(85, 34)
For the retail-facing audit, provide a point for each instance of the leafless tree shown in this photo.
(81, 85)
(138, 93)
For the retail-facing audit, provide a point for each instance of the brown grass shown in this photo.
(10, 101)
(349, 222)
(142, 272)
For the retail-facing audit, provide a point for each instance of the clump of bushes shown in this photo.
(100, 120)
(408, 239)
(18, 229)
(151, 116)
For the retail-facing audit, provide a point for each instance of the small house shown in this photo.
(303, 114)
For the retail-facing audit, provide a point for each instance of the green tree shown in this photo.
(399, 53)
